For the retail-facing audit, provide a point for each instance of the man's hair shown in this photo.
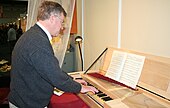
(47, 8)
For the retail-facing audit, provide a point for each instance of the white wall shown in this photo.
(145, 26)
(100, 27)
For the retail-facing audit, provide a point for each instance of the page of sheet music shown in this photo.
(116, 65)
(125, 68)
(132, 70)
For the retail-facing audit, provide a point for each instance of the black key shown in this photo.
(89, 84)
(107, 98)
(101, 95)
(78, 78)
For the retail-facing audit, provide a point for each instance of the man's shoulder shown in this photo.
(36, 30)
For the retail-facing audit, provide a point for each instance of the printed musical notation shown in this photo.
(125, 68)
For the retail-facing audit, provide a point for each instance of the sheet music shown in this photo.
(116, 65)
(57, 92)
(132, 70)
(125, 68)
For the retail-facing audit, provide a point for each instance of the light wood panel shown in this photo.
(122, 97)
(155, 74)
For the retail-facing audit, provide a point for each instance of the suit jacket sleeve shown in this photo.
(48, 68)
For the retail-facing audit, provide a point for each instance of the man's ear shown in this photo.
(52, 18)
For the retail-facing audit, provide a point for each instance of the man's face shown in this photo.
(58, 24)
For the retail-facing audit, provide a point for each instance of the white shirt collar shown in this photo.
(45, 30)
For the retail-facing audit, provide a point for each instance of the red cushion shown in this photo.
(3, 95)
(67, 100)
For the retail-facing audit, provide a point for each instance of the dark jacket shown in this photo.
(35, 71)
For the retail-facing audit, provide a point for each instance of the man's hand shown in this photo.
(81, 81)
(85, 89)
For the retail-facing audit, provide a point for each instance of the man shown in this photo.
(11, 37)
(19, 32)
(35, 70)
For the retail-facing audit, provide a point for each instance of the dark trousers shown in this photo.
(11, 45)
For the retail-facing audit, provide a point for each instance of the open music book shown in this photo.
(57, 92)
(125, 68)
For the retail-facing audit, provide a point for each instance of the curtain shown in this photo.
(60, 42)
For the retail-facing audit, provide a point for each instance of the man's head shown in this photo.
(51, 15)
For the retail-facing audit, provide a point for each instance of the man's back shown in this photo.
(11, 34)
